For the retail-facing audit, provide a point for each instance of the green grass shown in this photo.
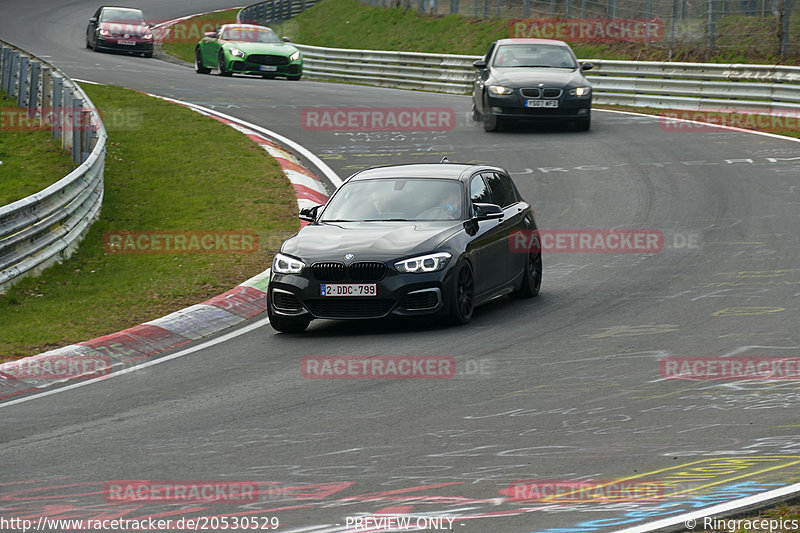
(31, 158)
(170, 169)
(185, 35)
(351, 24)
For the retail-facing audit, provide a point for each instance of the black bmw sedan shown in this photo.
(531, 79)
(407, 240)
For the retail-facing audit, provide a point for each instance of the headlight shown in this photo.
(295, 56)
(580, 91)
(283, 264)
(148, 36)
(423, 263)
(499, 89)
(236, 52)
(105, 33)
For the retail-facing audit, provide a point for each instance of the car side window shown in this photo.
(478, 191)
(489, 52)
(501, 189)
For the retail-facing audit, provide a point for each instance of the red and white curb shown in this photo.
(243, 302)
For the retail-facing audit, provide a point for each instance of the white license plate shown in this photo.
(541, 103)
(130, 43)
(268, 68)
(348, 289)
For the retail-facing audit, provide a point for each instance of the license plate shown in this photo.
(348, 289)
(130, 43)
(541, 103)
(268, 68)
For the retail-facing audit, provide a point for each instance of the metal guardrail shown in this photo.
(46, 227)
(272, 11)
(691, 86)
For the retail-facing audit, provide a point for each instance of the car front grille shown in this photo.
(362, 271)
(535, 92)
(367, 271)
(329, 271)
(362, 307)
(264, 59)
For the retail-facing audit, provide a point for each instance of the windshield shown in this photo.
(123, 15)
(396, 199)
(251, 35)
(534, 55)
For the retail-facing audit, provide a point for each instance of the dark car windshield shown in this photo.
(396, 199)
(534, 55)
(122, 15)
(250, 35)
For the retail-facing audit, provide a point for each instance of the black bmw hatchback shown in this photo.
(531, 80)
(407, 240)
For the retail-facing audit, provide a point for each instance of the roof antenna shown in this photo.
(444, 160)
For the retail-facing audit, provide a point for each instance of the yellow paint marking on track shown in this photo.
(747, 311)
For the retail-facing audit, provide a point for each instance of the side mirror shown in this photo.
(285, 39)
(93, 20)
(211, 34)
(309, 214)
(587, 66)
(480, 64)
(487, 212)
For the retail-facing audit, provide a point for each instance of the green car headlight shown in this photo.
(236, 52)
(295, 56)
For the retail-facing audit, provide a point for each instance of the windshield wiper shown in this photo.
(387, 220)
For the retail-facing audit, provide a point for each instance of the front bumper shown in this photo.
(512, 106)
(111, 43)
(243, 66)
(409, 295)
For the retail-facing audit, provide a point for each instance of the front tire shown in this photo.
(491, 122)
(284, 324)
(476, 116)
(221, 65)
(532, 277)
(198, 63)
(462, 297)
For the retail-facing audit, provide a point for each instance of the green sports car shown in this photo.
(247, 49)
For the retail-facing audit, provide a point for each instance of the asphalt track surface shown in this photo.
(571, 387)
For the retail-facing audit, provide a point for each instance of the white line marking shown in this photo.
(187, 351)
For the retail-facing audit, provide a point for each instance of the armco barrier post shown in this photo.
(57, 104)
(76, 117)
(47, 91)
(33, 96)
(12, 81)
(3, 68)
(22, 91)
(86, 117)
(66, 122)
